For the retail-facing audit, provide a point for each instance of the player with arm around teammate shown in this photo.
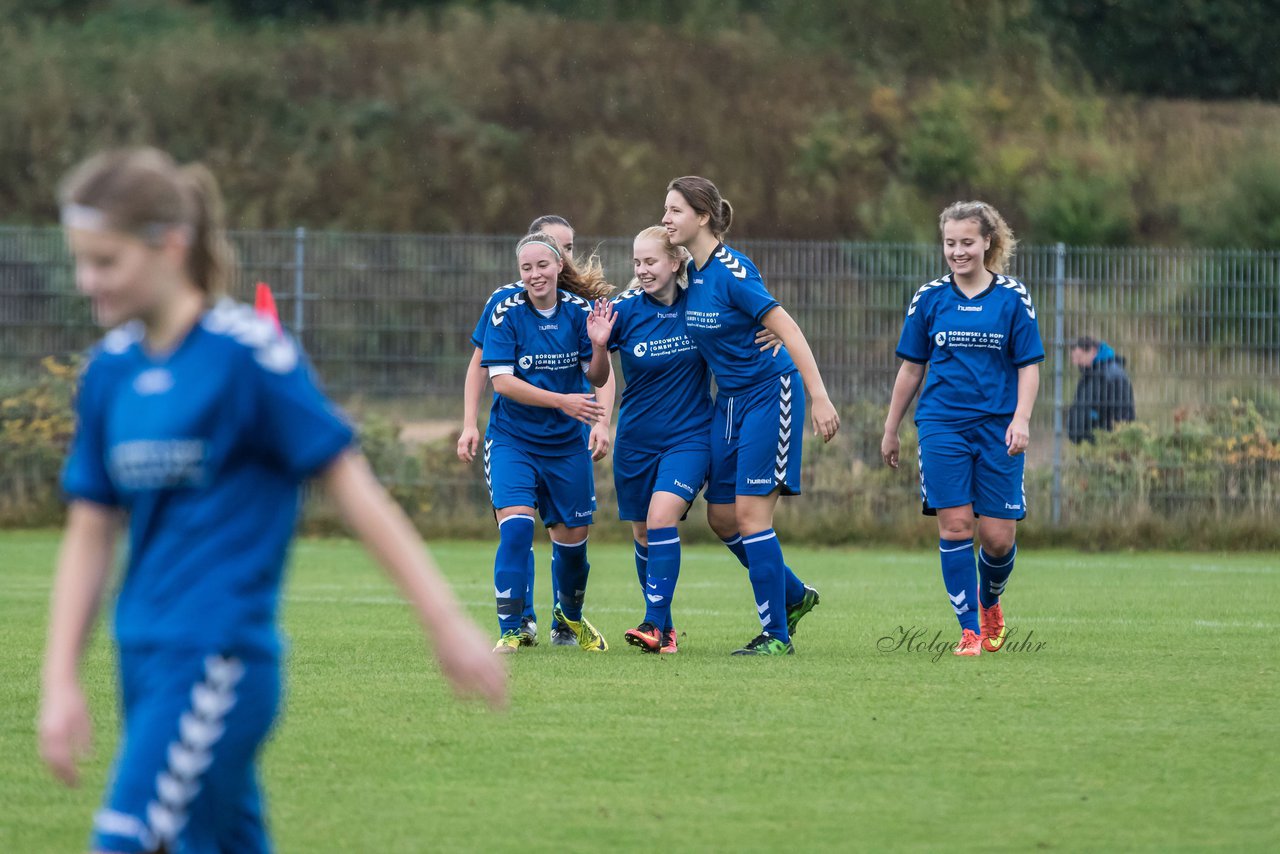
(756, 432)
(197, 423)
(537, 350)
(469, 438)
(974, 333)
(662, 451)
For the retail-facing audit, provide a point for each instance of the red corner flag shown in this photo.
(265, 304)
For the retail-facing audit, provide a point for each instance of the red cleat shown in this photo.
(669, 646)
(647, 636)
(993, 629)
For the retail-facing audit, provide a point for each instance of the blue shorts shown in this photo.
(562, 489)
(185, 776)
(972, 466)
(637, 475)
(756, 441)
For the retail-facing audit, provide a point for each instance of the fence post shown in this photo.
(299, 276)
(1059, 345)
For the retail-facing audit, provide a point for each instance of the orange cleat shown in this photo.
(993, 629)
(669, 646)
(647, 636)
(970, 643)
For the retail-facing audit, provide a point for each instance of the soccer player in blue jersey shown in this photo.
(755, 448)
(537, 350)
(974, 333)
(662, 449)
(197, 423)
(469, 439)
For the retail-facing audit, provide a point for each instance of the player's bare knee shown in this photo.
(955, 526)
(722, 519)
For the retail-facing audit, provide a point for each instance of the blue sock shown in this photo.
(960, 576)
(739, 550)
(530, 573)
(569, 569)
(642, 563)
(765, 567)
(664, 571)
(515, 544)
(795, 587)
(993, 573)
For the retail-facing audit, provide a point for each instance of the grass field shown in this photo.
(1142, 714)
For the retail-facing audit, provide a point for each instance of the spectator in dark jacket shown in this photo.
(1104, 395)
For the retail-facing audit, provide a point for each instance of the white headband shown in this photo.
(548, 245)
(86, 218)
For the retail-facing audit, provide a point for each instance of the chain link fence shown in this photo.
(387, 320)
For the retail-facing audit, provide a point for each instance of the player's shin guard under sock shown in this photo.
(766, 569)
(794, 586)
(642, 563)
(993, 575)
(530, 573)
(664, 571)
(960, 576)
(515, 546)
(569, 569)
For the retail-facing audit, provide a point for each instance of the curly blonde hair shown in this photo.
(587, 281)
(991, 224)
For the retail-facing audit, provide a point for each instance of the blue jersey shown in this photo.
(973, 347)
(727, 299)
(495, 298)
(548, 353)
(206, 448)
(667, 397)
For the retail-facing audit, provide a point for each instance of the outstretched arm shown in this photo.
(460, 646)
(84, 563)
(826, 421)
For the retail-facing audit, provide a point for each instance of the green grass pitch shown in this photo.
(1142, 714)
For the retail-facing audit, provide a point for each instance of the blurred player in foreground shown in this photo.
(197, 424)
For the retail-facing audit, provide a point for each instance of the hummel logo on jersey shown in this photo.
(544, 327)
(968, 308)
(759, 480)
(668, 316)
(1008, 506)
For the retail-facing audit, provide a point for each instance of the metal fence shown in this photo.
(388, 317)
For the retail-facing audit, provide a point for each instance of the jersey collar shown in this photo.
(534, 309)
(710, 258)
(950, 280)
(680, 293)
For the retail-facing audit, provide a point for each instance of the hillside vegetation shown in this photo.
(471, 117)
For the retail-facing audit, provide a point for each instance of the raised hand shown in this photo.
(600, 322)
